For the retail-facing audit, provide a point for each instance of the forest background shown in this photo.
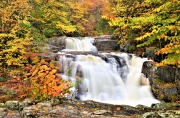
(25, 26)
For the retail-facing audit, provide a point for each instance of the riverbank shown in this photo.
(70, 108)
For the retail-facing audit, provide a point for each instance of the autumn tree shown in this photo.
(50, 18)
(151, 23)
(20, 27)
(14, 33)
(86, 15)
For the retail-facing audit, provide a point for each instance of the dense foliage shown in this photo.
(86, 15)
(150, 23)
(25, 26)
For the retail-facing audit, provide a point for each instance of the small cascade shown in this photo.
(113, 78)
(80, 44)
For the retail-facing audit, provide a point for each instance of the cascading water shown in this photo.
(113, 78)
(80, 44)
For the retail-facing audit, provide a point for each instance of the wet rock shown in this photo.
(106, 45)
(177, 79)
(170, 91)
(12, 105)
(104, 37)
(58, 42)
(161, 76)
(166, 73)
(178, 90)
(148, 70)
(150, 53)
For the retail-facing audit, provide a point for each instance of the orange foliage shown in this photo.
(45, 82)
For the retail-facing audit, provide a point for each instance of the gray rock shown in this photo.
(55, 101)
(104, 37)
(166, 73)
(150, 52)
(162, 114)
(170, 91)
(101, 112)
(30, 112)
(159, 76)
(148, 70)
(159, 106)
(178, 89)
(12, 105)
(177, 75)
(37, 110)
(106, 45)
(65, 111)
(26, 102)
(45, 106)
(58, 43)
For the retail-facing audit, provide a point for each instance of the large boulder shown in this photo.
(106, 45)
(164, 80)
(103, 43)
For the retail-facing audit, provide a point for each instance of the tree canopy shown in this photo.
(150, 23)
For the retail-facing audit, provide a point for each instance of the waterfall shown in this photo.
(113, 78)
(77, 44)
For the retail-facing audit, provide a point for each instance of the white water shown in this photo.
(109, 82)
(75, 44)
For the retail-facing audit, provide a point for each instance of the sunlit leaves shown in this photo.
(51, 18)
(45, 82)
(156, 23)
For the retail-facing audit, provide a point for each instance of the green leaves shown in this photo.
(155, 23)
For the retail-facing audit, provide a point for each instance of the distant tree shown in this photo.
(86, 14)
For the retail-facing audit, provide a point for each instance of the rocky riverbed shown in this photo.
(70, 108)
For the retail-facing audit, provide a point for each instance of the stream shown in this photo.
(113, 78)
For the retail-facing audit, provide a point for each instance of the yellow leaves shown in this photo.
(66, 28)
(117, 22)
(34, 72)
(53, 71)
(177, 51)
(136, 27)
(44, 67)
(6, 35)
(144, 36)
(43, 62)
